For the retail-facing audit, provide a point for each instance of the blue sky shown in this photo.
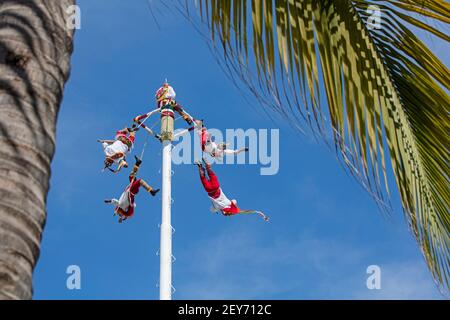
(324, 231)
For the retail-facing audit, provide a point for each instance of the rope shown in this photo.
(143, 148)
(149, 128)
(141, 157)
(154, 124)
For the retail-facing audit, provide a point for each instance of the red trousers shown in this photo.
(211, 185)
(133, 189)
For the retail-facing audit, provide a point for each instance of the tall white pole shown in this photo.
(165, 252)
(165, 278)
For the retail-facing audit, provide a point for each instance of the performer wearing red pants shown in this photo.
(124, 207)
(219, 200)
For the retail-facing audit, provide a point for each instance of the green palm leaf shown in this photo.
(384, 90)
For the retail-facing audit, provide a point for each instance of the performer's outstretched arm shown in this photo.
(112, 201)
(231, 151)
(105, 141)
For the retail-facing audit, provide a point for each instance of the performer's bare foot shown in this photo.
(122, 163)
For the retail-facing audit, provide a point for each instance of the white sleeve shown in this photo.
(171, 94)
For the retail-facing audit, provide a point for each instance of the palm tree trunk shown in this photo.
(35, 50)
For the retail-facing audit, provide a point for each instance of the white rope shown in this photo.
(143, 148)
(154, 124)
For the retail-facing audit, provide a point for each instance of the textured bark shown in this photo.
(35, 49)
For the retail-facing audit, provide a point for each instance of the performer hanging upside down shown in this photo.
(116, 150)
(219, 200)
(215, 150)
(124, 207)
(165, 98)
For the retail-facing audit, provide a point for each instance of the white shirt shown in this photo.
(123, 202)
(116, 147)
(170, 93)
(221, 202)
(211, 147)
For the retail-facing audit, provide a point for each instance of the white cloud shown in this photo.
(241, 264)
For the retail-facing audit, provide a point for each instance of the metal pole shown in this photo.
(165, 277)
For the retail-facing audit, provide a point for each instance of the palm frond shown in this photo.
(379, 93)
